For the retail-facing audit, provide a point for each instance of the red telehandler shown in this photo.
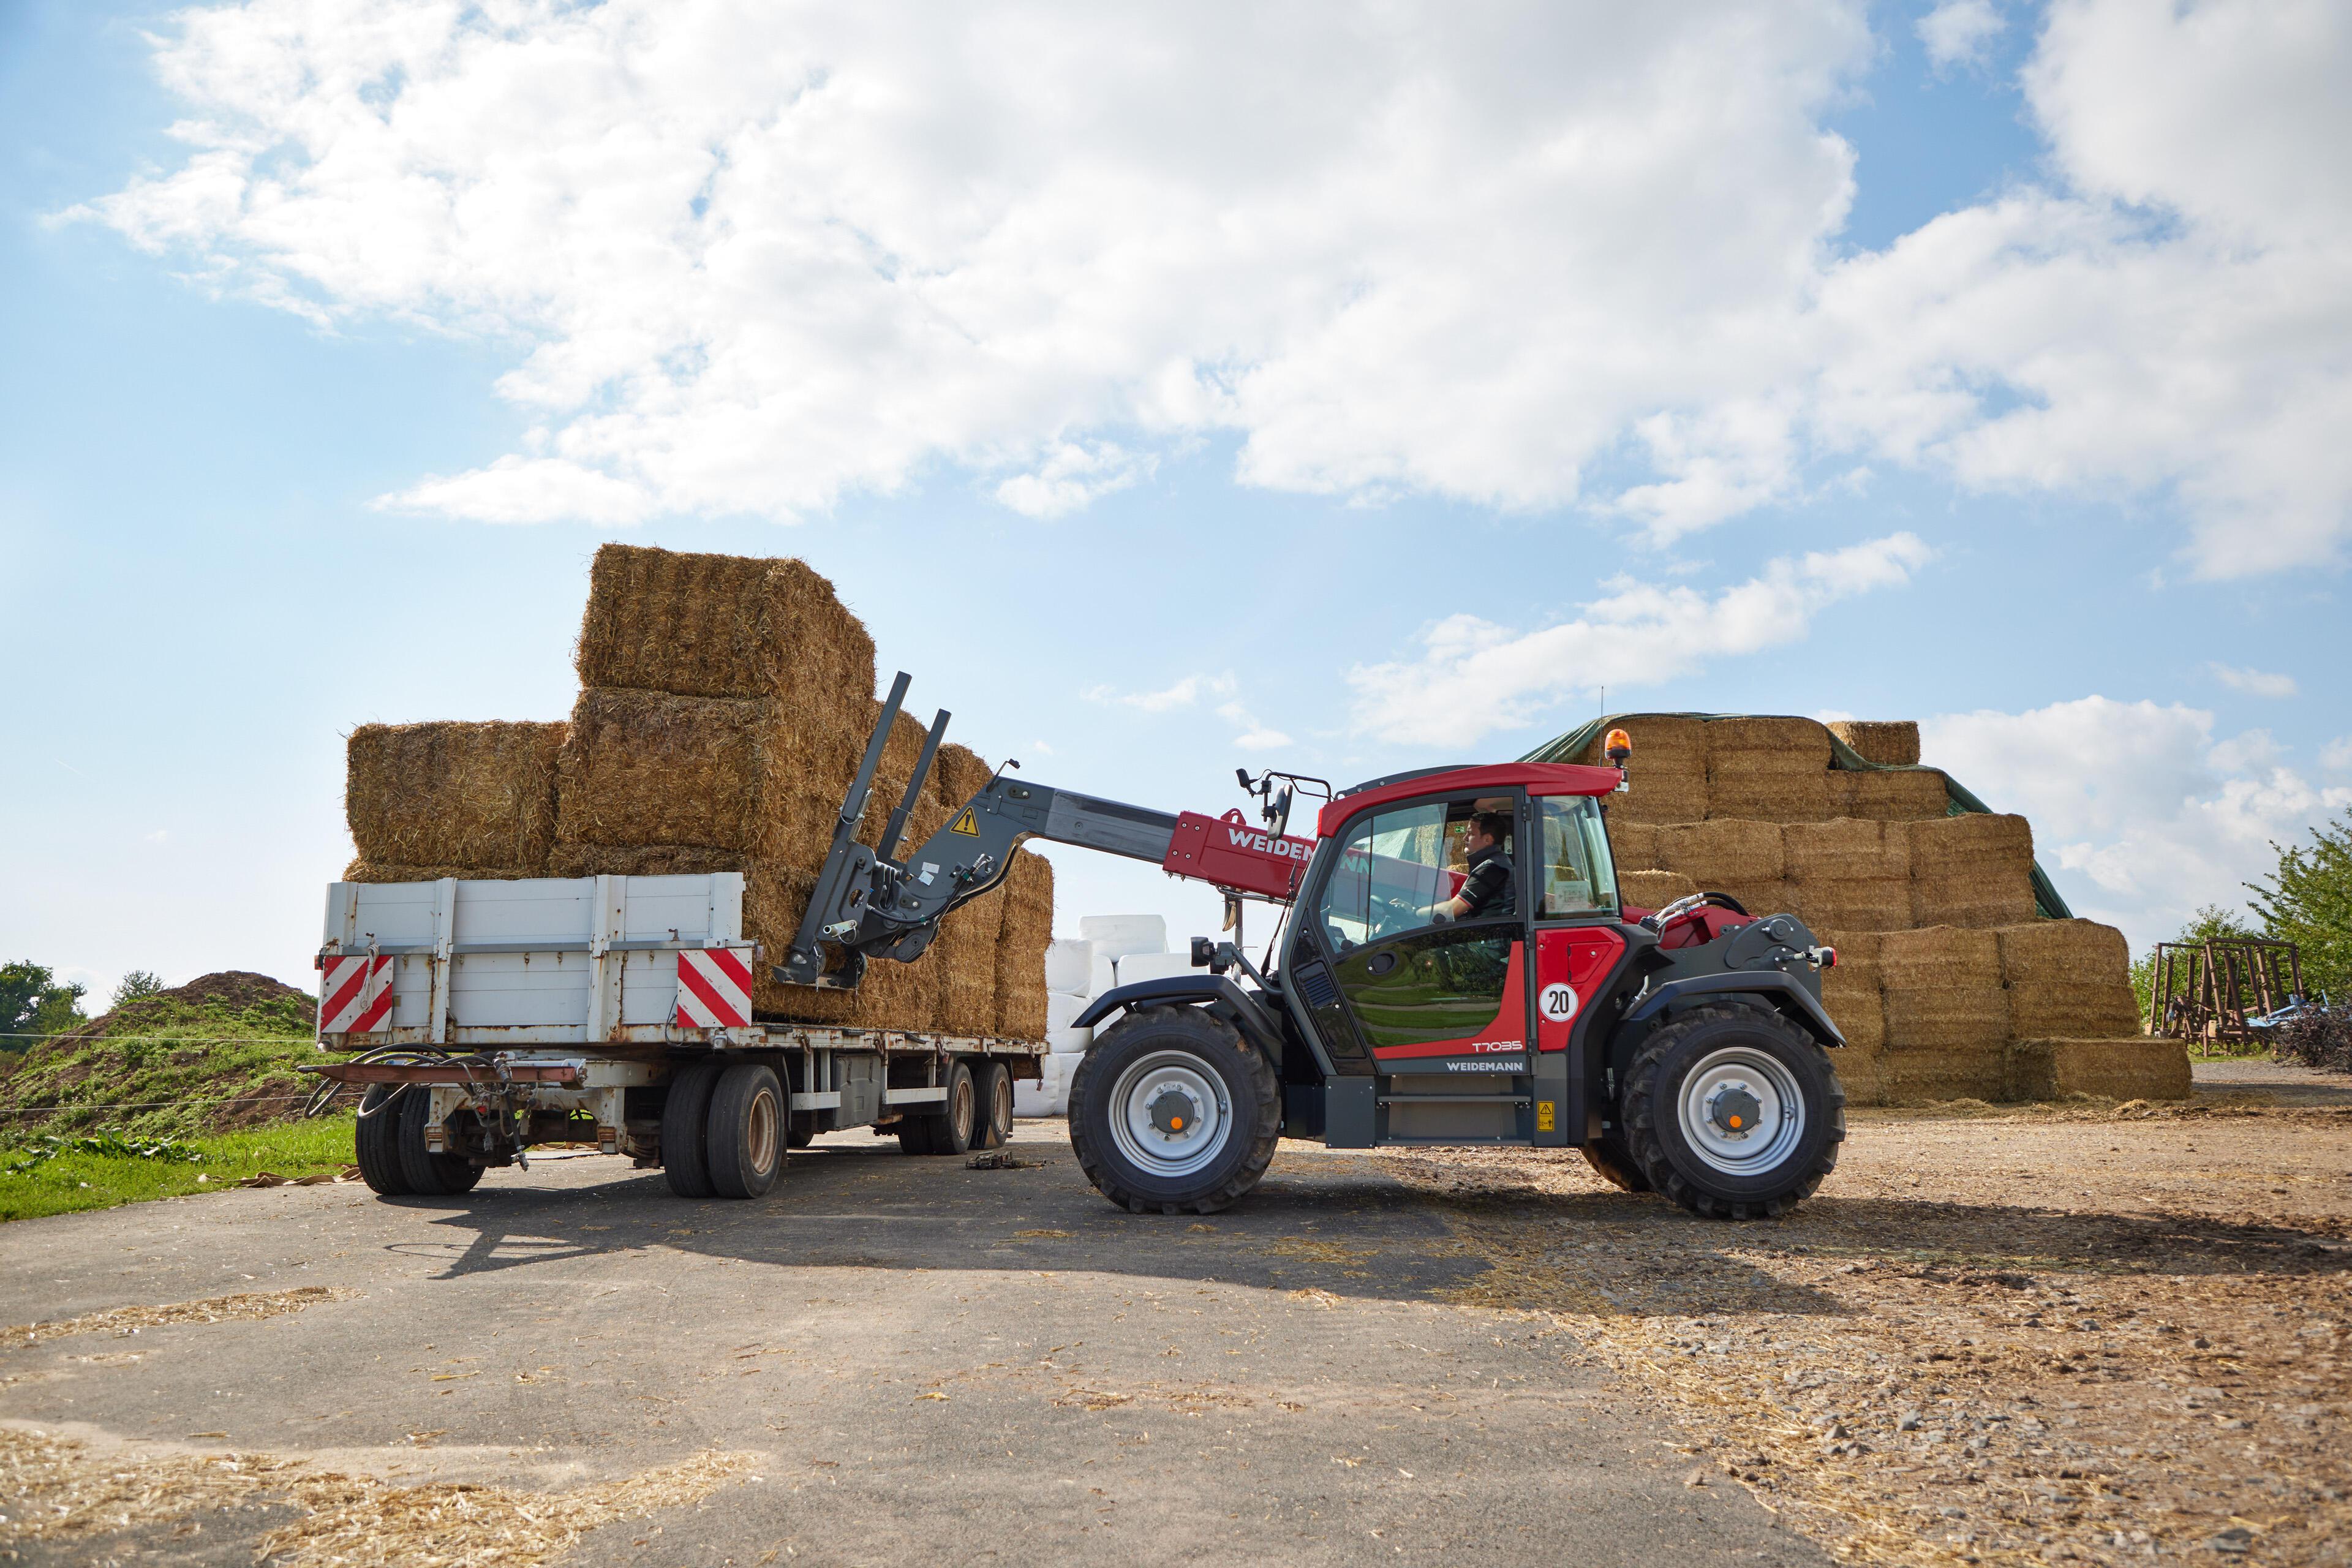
(1408, 998)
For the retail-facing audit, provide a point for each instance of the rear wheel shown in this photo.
(685, 1129)
(429, 1174)
(1171, 1110)
(991, 1105)
(1734, 1112)
(952, 1129)
(1613, 1163)
(915, 1134)
(376, 1141)
(744, 1147)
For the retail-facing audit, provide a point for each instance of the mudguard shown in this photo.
(1217, 993)
(1783, 991)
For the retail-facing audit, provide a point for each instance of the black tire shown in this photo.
(375, 1141)
(915, 1134)
(803, 1132)
(745, 1144)
(686, 1130)
(1208, 1055)
(991, 1105)
(952, 1129)
(1794, 1163)
(428, 1174)
(1613, 1163)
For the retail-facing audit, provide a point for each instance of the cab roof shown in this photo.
(1535, 778)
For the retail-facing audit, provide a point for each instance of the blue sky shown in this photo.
(2100, 611)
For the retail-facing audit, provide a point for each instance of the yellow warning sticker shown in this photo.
(965, 824)
(1544, 1113)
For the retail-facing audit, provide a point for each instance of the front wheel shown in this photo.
(1171, 1110)
(1733, 1113)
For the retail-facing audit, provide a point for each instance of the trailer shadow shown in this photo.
(1341, 1227)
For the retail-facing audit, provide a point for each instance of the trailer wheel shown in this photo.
(375, 1141)
(1613, 1163)
(992, 1114)
(1172, 1110)
(915, 1134)
(745, 1148)
(950, 1130)
(428, 1174)
(1734, 1113)
(685, 1129)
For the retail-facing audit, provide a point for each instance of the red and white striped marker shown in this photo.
(714, 987)
(355, 994)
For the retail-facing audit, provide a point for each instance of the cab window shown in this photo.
(1576, 875)
(1413, 867)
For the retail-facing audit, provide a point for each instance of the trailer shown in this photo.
(484, 1017)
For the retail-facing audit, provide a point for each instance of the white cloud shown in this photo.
(758, 256)
(1474, 677)
(2337, 755)
(1184, 693)
(1960, 32)
(2137, 800)
(1255, 736)
(2261, 683)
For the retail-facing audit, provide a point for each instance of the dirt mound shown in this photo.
(236, 990)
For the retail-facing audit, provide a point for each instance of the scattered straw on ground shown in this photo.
(60, 1488)
(2090, 1335)
(247, 1305)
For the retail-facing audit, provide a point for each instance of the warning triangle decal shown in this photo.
(965, 824)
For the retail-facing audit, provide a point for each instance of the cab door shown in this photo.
(1441, 1004)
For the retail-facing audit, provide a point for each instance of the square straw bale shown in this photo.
(2072, 1009)
(1746, 747)
(1976, 843)
(1946, 1019)
(958, 774)
(1634, 845)
(2062, 953)
(1912, 794)
(1855, 1004)
(965, 950)
(1027, 928)
(1770, 797)
(1847, 849)
(1939, 955)
(1764, 895)
(1893, 742)
(1650, 890)
(1914, 1077)
(2119, 1070)
(724, 625)
(1983, 901)
(1658, 797)
(451, 794)
(1861, 1073)
(1665, 745)
(366, 870)
(1854, 903)
(1715, 852)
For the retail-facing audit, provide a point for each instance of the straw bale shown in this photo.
(1653, 889)
(1659, 797)
(1634, 845)
(1770, 796)
(1761, 897)
(1714, 853)
(1027, 927)
(2119, 1070)
(965, 950)
(1850, 996)
(1749, 746)
(1982, 901)
(365, 870)
(1977, 843)
(1663, 744)
(903, 750)
(1853, 903)
(1893, 742)
(2086, 1009)
(2062, 952)
(451, 793)
(1861, 1074)
(1907, 794)
(958, 774)
(1960, 1019)
(724, 625)
(1913, 1076)
(1845, 850)
(1939, 955)
(647, 768)
(1857, 951)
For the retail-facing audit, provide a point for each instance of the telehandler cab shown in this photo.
(1408, 999)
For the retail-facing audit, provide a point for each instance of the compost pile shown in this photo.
(1950, 985)
(725, 703)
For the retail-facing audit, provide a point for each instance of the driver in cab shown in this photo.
(1489, 889)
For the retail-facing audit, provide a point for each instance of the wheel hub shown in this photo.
(1170, 1115)
(1172, 1110)
(1734, 1110)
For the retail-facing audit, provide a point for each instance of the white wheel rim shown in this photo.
(761, 1142)
(1753, 1088)
(1169, 1114)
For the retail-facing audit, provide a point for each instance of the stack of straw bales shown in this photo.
(1948, 985)
(725, 704)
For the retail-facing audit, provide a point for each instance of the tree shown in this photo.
(2308, 900)
(137, 983)
(2208, 923)
(32, 1003)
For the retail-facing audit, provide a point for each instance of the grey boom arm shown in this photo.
(873, 906)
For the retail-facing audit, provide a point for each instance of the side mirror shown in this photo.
(1277, 816)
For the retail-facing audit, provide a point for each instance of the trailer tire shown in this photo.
(1141, 1072)
(375, 1141)
(1774, 1073)
(950, 1130)
(686, 1130)
(915, 1134)
(746, 1143)
(1613, 1163)
(428, 1174)
(991, 1105)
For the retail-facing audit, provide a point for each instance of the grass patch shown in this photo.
(72, 1181)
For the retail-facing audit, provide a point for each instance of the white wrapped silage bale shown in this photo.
(1136, 967)
(1075, 964)
(1069, 1042)
(1115, 936)
(1049, 1093)
(1062, 1012)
